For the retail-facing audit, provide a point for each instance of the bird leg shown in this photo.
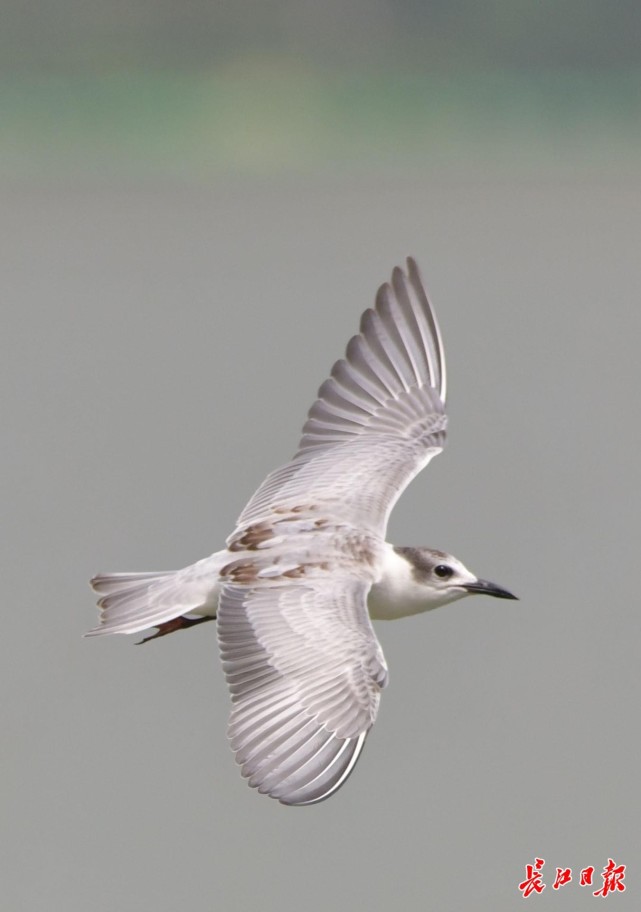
(173, 625)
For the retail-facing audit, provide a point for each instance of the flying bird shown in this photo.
(307, 568)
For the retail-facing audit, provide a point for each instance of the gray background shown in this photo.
(197, 200)
(162, 348)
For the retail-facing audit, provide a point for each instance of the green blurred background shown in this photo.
(197, 89)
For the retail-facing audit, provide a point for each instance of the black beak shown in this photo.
(483, 587)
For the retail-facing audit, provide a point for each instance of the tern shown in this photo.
(307, 568)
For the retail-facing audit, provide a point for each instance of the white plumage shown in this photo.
(291, 589)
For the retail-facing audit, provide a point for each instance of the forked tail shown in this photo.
(131, 602)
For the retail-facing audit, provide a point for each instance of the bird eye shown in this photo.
(443, 571)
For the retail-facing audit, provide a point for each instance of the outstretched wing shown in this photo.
(305, 672)
(378, 419)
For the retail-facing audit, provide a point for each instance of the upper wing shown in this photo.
(378, 419)
(305, 671)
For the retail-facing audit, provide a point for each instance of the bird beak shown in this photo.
(483, 587)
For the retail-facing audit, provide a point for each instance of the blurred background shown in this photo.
(197, 200)
(198, 90)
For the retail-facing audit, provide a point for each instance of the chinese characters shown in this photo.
(612, 875)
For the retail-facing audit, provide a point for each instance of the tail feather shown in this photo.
(131, 602)
(119, 582)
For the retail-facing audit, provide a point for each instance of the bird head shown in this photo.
(444, 578)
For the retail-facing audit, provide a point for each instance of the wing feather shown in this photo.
(316, 674)
(301, 659)
(378, 419)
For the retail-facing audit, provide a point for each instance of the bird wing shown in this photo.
(305, 672)
(378, 419)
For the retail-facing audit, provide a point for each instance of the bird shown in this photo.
(308, 568)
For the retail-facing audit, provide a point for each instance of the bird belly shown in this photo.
(387, 603)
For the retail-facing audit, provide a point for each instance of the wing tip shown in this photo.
(331, 789)
(416, 280)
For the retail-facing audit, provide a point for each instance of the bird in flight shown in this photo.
(307, 568)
